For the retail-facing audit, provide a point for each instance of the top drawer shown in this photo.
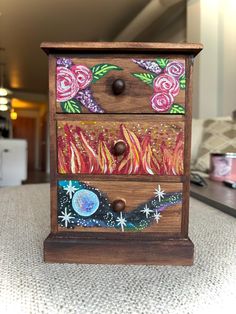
(120, 84)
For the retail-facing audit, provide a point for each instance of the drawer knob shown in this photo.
(118, 86)
(118, 205)
(119, 148)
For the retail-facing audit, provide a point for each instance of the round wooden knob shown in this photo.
(119, 148)
(118, 86)
(118, 205)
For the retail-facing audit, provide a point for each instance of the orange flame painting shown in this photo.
(87, 148)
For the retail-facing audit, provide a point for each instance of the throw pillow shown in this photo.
(218, 137)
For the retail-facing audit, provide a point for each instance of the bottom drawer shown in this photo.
(119, 206)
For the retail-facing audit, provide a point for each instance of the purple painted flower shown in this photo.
(162, 101)
(64, 62)
(148, 65)
(175, 69)
(86, 98)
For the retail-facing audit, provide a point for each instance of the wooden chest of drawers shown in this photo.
(120, 130)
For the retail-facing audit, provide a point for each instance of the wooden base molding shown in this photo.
(61, 249)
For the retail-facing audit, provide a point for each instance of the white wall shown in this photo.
(213, 23)
(227, 57)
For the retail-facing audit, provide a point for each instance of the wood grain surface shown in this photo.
(53, 143)
(62, 249)
(135, 194)
(176, 48)
(136, 97)
(166, 242)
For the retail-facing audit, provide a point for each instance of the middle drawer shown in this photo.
(121, 145)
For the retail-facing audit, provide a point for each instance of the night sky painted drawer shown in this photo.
(136, 145)
(121, 84)
(120, 131)
(98, 206)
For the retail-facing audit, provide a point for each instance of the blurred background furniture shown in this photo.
(13, 161)
(197, 137)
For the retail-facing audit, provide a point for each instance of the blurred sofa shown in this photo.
(199, 130)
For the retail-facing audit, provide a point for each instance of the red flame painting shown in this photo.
(87, 148)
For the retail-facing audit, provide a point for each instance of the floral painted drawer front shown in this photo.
(89, 206)
(150, 148)
(152, 84)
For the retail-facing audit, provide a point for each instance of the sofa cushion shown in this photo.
(218, 137)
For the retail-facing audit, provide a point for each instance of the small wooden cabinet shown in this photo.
(120, 130)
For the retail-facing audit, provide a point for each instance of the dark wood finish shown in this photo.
(43, 145)
(84, 250)
(118, 86)
(171, 245)
(119, 148)
(121, 177)
(217, 195)
(37, 176)
(134, 194)
(25, 128)
(66, 47)
(118, 205)
(149, 118)
(53, 144)
(187, 147)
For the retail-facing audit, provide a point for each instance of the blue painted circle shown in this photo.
(85, 202)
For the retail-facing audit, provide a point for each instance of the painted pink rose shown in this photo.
(67, 86)
(162, 101)
(175, 69)
(83, 75)
(165, 83)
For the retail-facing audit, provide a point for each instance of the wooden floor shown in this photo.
(37, 176)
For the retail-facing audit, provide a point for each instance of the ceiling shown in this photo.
(25, 24)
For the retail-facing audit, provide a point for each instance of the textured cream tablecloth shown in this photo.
(28, 285)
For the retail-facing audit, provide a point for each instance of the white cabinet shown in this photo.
(13, 161)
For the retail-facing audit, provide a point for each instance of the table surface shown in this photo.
(216, 194)
(30, 286)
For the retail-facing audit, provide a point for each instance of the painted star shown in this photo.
(121, 221)
(147, 211)
(157, 216)
(159, 193)
(65, 217)
(70, 189)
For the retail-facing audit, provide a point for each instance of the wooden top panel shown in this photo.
(179, 48)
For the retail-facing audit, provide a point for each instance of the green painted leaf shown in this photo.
(162, 62)
(182, 82)
(145, 77)
(99, 70)
(71, 106)
(177, 109)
